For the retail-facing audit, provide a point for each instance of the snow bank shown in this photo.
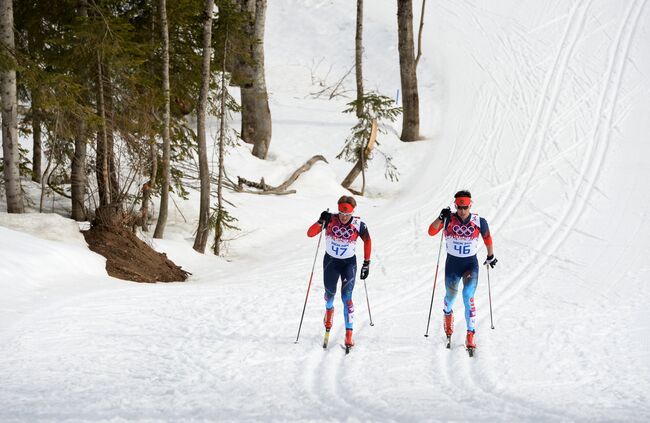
(46, 226)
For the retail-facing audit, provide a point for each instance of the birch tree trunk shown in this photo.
(256, 115)
(204, 173)
(358, 57)
(410, 98)
(11, 156)
(164, 189)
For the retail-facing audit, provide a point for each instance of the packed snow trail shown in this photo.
(539, 108)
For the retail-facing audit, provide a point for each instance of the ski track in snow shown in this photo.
(592, 164)
(535, 137)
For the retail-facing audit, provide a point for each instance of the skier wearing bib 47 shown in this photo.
(341, 233)
(461, 233)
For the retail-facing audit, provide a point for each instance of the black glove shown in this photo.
(490, 260)
(324, 218)
(365, 269)
(445, 214)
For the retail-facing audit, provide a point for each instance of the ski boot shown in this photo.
(449, 326)
(327, 321)
(349, 343)
(469, 343)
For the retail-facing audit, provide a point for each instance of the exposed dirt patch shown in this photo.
(130, 258)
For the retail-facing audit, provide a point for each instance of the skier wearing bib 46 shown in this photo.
(461, 232)
(341, 233)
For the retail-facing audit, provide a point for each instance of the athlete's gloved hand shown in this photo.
(324, 218)
(490, 260)
(445, 214)
(365, 269)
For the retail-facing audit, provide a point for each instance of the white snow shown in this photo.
(538, 107)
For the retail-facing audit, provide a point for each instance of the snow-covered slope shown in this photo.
(538, 107)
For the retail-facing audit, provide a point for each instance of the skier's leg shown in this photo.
(470, 282)
(348, 275)
(452, 278)
(330, 279)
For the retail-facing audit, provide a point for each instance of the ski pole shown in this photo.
(490, 295)
(310, 278)
(435, 279)
(368, 302)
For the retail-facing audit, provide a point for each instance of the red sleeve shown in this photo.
(433, 229)
(487, 239)
(367, 245)
(314, 229)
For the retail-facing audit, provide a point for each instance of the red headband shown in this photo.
(463, 201)
(346, 208)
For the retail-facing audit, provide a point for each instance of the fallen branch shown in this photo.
(281, 189)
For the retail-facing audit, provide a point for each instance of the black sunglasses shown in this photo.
(462, 207)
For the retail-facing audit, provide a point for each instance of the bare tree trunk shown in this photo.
(110, 137)
(149, 185)
(204, 173)
(78, 168)
(410, 98)
(358, 57)
(78, 173)
(102, 172)
(256, 115)
(164, 189)
(417, 57)
(11, 155)
(218, 228)
(37, 150)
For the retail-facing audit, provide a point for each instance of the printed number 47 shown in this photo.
(339, 251)
(462, 248)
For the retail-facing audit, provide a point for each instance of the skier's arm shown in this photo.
(367, 242)
(323, 220)
(437, 224)
(487, 237)
(435, 227)
(314, 229)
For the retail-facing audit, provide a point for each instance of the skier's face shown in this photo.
(345, 217)
(463, 211)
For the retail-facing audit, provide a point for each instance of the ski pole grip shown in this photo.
(323, 225)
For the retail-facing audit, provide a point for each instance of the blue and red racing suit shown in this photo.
(462, 246)
(340, 260)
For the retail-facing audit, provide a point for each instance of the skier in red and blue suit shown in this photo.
(341, 233)
(461, 233)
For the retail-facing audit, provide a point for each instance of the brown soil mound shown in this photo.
(128, 257)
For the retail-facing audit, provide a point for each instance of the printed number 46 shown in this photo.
(339, 251)
(462, 248)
